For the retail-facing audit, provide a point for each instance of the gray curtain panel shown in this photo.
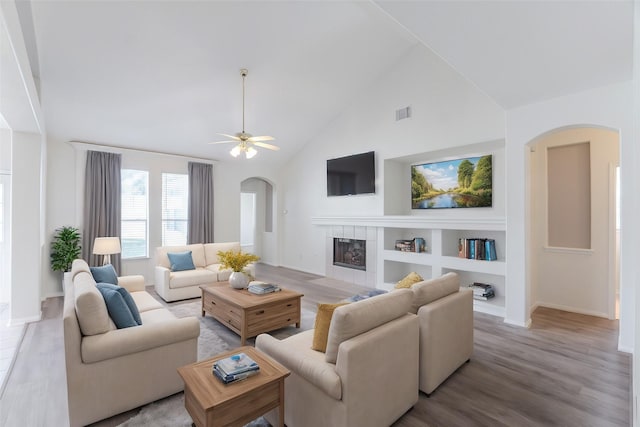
(200, 216)
(102, 202)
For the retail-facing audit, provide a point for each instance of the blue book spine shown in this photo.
(487, 250)
(472, 244)
(492, 247)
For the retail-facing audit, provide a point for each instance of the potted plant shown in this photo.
(237, 261)
(65, 247)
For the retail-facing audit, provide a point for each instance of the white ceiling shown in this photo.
(165, 75)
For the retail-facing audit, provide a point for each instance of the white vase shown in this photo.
(238, 280)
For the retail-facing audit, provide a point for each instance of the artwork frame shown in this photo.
(445, 184)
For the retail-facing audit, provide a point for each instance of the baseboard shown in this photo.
(625, 349)
(526, 324)
(52, 295)
(572, 309)
(24, 320)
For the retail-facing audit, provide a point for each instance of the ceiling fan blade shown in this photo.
(235, 138)
(267, 146)
(261, 138)
(220, 142)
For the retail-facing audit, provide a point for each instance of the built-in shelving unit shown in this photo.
(441, 255)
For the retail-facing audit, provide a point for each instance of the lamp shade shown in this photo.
(106, 245)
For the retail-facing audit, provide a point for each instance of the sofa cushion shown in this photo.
(181, 261)
(145, 302)
(223, 275)
(117, 307)
(321, 328)
(433, 289)
(128, 299)
(358, 317)
(409, 280)
(104, 274)
(199, 276)
(91, 309)
(211, 250)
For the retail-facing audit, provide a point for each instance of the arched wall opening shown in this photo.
(573, 249)
(258, 219)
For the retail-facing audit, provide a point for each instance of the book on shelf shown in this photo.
(405, 245)
(256, 287)
(235, 368)
(476, 248)
(482, 291)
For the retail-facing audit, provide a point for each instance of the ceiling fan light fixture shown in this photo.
(246, 140)
(251, 152)
(235, 151)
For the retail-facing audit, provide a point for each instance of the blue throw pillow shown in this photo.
(181, 261)
(117, 308)
(128, 299)
(104, 274)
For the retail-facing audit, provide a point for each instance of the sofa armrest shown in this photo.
(121, 342)
(320, 374)
(133, 283)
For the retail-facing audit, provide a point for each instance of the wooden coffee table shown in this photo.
(247, 314)
(212, 403)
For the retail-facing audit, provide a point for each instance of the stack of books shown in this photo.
(260, 288)
(482, 291)
(235, 368)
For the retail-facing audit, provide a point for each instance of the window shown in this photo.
(135, 213)
(175, 204)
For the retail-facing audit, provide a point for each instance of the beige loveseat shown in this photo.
(111, 370)
(446, 328)
(177, 285)
(368, 375)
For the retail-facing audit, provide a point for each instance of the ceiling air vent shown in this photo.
(403, 113)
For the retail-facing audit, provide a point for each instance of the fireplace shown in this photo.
(350, 253)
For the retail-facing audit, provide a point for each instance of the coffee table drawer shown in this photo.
(273, 316)
(223, 311)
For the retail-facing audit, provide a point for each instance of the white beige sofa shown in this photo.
(111, 370)
(177, 285)
(445, 313)
(368, 375)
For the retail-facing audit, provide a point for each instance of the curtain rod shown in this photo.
(119, 149)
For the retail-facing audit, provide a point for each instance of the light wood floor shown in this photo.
(563, 371)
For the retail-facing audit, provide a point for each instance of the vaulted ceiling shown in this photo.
(164, 75)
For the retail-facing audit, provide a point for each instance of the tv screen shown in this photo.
(351, 175)
(460, 183)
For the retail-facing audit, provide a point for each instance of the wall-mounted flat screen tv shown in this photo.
(351, 175)
(460, 183)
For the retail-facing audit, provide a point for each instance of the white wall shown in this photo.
(447, 112)
(26, 211)
(610, 107)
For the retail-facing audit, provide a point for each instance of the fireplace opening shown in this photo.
(350, 253)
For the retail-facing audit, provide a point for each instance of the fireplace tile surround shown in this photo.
(360, 277)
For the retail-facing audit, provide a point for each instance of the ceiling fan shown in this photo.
(245, 140)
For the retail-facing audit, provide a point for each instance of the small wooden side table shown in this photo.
(212, 403)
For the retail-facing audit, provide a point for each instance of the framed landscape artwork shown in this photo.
(460, 183)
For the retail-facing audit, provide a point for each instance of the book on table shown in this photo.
(256, 287)
(235, 367)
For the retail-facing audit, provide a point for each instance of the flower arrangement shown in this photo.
(236, 261)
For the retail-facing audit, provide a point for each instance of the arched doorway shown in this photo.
(258, 219)
(574, 234)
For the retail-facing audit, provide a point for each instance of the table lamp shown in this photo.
(106, 246)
